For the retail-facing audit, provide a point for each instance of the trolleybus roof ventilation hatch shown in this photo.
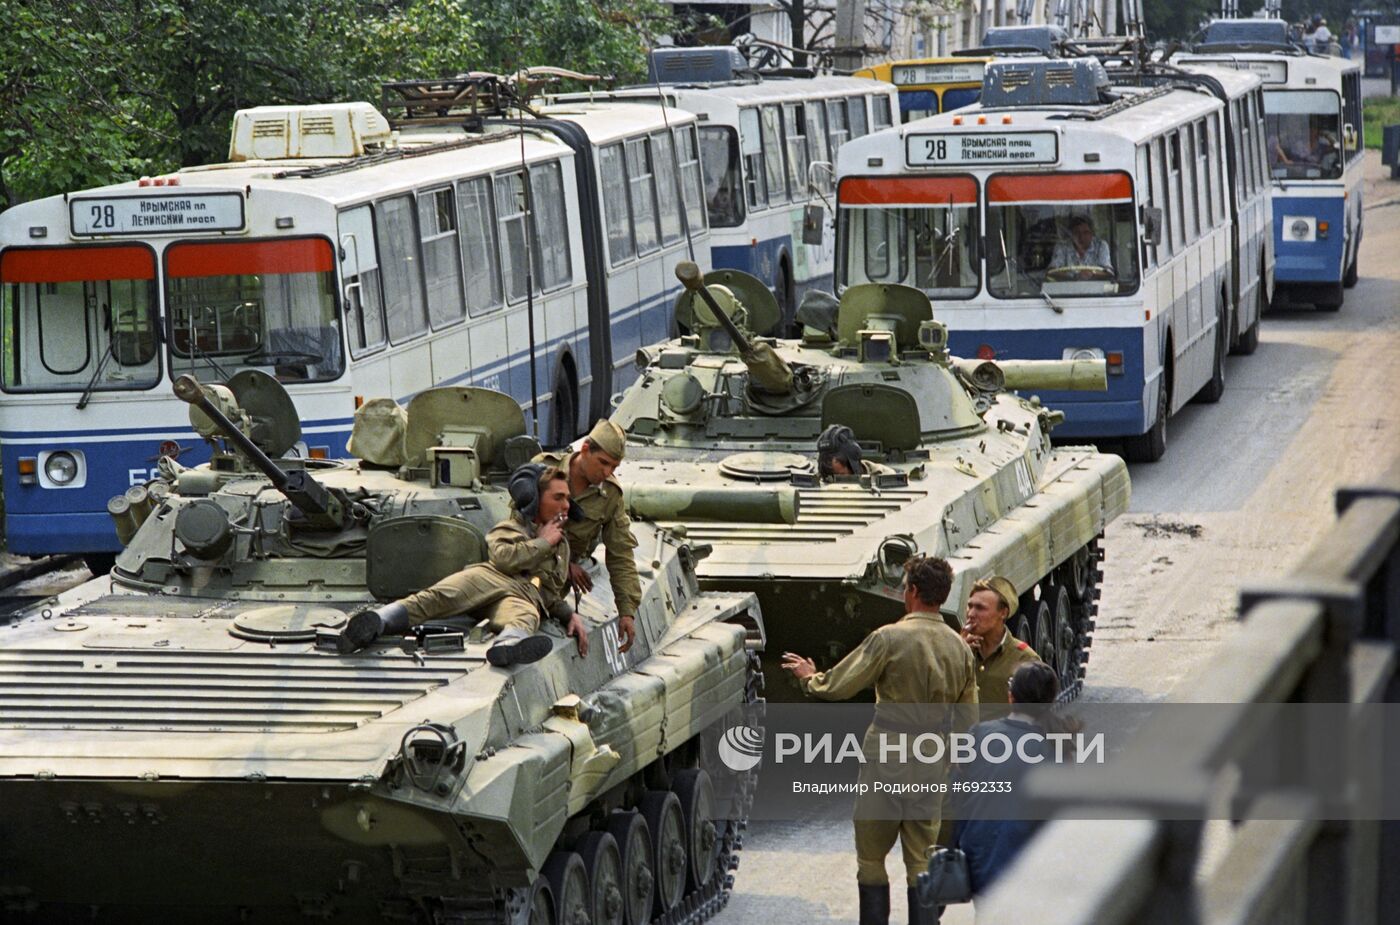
(704, 64)
(1044, 83)
(1246, 32)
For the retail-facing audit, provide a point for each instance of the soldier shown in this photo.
(838, 453)
(992, 602)
(916, 660)
(597, 495)
(525, 577)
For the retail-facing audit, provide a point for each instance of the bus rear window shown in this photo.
(268, 305)
(76, 318)
(1061, 235)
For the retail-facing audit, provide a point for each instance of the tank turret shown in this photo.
(955, 460)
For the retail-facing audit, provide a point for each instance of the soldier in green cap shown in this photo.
(602, 515)
(998, 654)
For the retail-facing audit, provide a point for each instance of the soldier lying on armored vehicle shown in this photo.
(526, 577)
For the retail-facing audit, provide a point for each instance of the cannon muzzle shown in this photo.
(321, 509)
(776, 505)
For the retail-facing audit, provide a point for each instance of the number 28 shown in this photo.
(936, 149)
(104, 217)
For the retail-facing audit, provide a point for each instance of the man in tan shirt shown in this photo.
(525, 576)
(916, 660)
(991, 603)
(597, 496)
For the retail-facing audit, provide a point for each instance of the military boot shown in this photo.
(919, 915)
(516, 647)
(874, 904)
(368, 624)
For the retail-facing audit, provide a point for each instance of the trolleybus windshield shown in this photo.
(1061, 235)
(919, 231)
(78, 318)
(1303, 131)
(264, 304)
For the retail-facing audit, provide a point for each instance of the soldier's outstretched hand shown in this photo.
(579, 577)
(576, 629)
(626, 631)
(800, 667)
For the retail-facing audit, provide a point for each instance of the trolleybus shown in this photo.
(1061, 217)
(928, 86)
(1313, 143)
(348, 260)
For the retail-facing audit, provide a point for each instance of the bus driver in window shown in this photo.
(1083, 249)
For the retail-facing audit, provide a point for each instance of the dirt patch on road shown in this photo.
(1161, 526)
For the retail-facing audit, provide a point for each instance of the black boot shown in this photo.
(918, 915)
(367, 625)
(519, 650)
(874, 904)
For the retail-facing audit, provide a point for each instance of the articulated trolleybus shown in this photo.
(1312, 113)
(349, 258)
(1061, 217)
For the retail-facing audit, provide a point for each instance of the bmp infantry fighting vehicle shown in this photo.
(182, 741)
(966, 469)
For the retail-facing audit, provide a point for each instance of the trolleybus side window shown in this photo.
(480, 259)
(442, 256)
(641, 182)
(1305, 132)
(1351, 103)
(838, 119)
(510, 217)
(359, 269)
(795, 135)
(1260, 149)
(751, 145)
(724, 196)
(858, 124)
(1145, 198)
(1062, 235)
(817, 151)
(691, 179)
(405, 307)
(77, 316)
(1205, 182)
(772, 132)
(880, 112)
(1178, 207)
(550, 224)
(1160, 197)
(668, 203)
(268, 304)
(615, 209)
(1218, 161)
(1191, 181)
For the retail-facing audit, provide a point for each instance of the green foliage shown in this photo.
(96, 91)
(1376, 113)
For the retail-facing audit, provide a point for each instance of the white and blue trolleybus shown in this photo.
(1062, 216)
(349, 258)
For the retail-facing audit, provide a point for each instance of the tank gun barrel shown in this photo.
(768, 371)
(775, 505)
(1068, 375)
(310, 497)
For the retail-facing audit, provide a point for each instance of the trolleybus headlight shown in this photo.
(61, 468)
(1083, 353)
(1300, 228)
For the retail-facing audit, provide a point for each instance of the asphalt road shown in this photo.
(1246, 486)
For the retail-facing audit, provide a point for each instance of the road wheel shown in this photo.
(1214, 388)
(1075, 574)
(1021, 626)
(603, 862)
(697, 796)
(1043, 629)
(662, 811)
(563, 425)
(1353, 273)
(568, 881)
(1150, 446)
(633, 839)
(1064, 655)
(538, 908)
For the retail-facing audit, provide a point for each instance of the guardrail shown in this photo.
(1329, 632)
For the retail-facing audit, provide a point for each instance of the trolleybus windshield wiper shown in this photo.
(107, 355)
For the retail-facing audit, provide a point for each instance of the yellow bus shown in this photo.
(928, 86)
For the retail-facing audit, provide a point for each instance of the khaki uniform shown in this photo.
(523, 578)
(919, 659)
(604, 518)
(994, 672)
(874, 468)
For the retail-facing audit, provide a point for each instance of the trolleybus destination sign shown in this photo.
(973, 149)
(168, 213)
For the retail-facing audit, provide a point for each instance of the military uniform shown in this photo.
(917, 660)
(994, 672)
(604, 518)
(523, 578)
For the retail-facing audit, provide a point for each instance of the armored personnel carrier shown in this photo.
(966, 469)
(181, 741)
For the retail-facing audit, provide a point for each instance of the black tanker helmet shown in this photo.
(837, 442)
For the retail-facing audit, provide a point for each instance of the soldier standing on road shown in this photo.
(525, 577)
(597, 496)
(917, 660)
(992, 602)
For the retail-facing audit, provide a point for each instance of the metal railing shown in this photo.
(1329, 632)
